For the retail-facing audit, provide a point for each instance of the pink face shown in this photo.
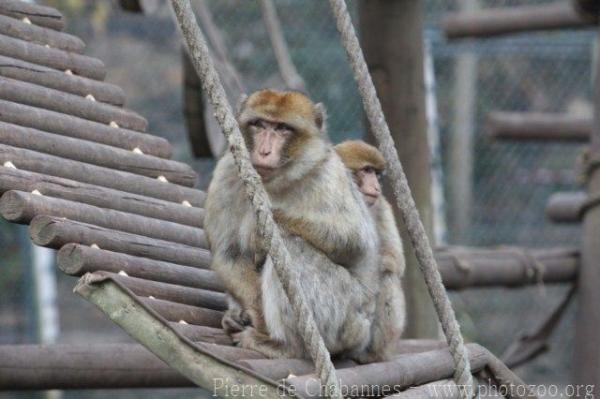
(268, 139)
(368, 184)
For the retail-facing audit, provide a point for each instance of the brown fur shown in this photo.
(327, 228)
(357, 154)
(390, 312)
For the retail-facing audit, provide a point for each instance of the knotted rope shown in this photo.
(272, 240)
(404, 200)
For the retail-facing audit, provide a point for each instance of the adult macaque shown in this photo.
(326, 225)
(367, 164)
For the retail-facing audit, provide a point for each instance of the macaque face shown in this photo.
(368, 184)
(269, 140)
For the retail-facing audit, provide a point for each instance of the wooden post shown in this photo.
(587, 339)
(392, 40)
(461, 144)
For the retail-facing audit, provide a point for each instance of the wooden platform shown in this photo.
(91, 182)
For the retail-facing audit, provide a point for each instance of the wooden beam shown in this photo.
(463, 268)
(538, 126)
(509, 20)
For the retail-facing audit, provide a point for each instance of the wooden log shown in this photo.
(277, 369)
(77, 259)
(21, 207)
(90, 366)
(502, 21)
(97, 175)
(171, 292)
(43, 76)
(379, 379)
(40, 35)
(97, 154)
(538, 126)
(21, 180)
(53, 232)
(57, 59)
(202, 334)
(72, 126)
(510, 267)
(70, 104)
(566, 207)
(94, 366)
(40, 15)
(177, 312)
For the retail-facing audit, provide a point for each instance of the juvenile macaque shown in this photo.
(329, 232)
(367, 164)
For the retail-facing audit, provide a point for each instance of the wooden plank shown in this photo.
(77, 260)
(22, 207)
(100, 176)
(43, 76)
(97, 154)
(70, 104)
(72, 126)
(53, 232)
(21, 180)
(40, 35)
(57, 59)
(40, 15)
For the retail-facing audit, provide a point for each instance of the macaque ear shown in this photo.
(321, 117)
(240, 103)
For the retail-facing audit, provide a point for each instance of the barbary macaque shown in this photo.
(327, 228)
(367, 165)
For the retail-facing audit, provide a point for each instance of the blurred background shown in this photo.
(504, 186)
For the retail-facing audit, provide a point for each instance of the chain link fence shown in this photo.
(508, 183)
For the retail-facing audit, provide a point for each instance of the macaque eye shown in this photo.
(256, 123)
(285, 127)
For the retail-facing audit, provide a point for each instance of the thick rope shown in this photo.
(404, 199)
(262, 206)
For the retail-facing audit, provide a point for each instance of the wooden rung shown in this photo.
(71, 126)
(37, 14)
(59, 80)
(40, 35)
(22, 207)
(97, 154)
(172, 311)
(54, 232)
(70, 104)
(171, 292)
(60, 60)
(17, 179)
(97, 175)
(76, 260)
